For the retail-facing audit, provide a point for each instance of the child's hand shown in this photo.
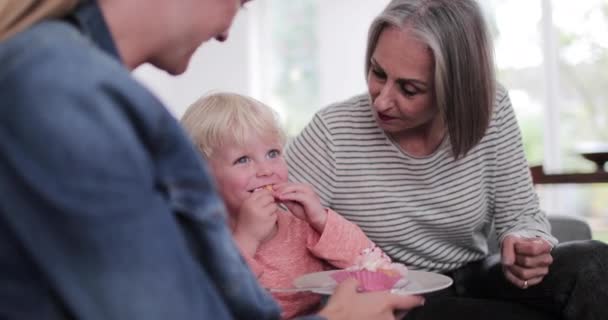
(303, 203)
(256, 220)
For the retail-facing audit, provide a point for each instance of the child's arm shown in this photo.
(340, 243)
(332, 237)
(253, 264)
(254, 224)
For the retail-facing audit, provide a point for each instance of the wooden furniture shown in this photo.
(540, 177)
(568, 228)
(599, 176)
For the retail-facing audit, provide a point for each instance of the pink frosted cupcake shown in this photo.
(374, 271)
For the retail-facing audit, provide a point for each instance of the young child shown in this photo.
(281, 228)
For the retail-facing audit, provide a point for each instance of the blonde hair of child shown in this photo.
(219, 119)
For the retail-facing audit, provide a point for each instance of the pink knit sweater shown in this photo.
(297, 249)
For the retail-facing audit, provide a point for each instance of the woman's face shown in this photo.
(400, 82)
(193, 22)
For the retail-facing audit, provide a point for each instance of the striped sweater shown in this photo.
(432, 213)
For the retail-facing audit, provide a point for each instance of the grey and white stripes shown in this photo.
(432, 213)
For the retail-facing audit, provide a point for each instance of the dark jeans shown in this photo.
(576, 288)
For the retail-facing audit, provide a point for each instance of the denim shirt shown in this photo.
(106, 208)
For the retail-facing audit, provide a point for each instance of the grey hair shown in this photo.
(464, 79)
(218, 119)
(17, 15)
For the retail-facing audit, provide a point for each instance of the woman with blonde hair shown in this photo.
(430, 160)
(18, 15)
(106, 210)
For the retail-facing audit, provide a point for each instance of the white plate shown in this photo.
(416, 282)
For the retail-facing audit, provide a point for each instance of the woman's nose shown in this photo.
(386, 98)
(222, 36)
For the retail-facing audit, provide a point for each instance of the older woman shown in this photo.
(430, 158)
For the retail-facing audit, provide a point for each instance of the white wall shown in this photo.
(343, 26)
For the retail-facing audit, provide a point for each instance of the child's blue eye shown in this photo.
(243, 159)
(274, 153)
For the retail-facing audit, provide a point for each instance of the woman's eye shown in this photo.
(408, 90)
(274, 153)
(243, 159)
(378, 73)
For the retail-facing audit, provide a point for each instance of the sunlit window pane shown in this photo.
(291, 60)
(519, 59)
(583, 67)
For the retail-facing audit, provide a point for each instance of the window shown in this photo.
(554, 63)
(308, 58)
(289, 59)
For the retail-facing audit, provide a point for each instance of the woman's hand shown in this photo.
(256, 220)
(525, 261)
(303, 202)
(348, 304)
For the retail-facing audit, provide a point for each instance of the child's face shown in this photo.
(241, 170)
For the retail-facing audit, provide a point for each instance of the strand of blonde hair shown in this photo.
(17, 15)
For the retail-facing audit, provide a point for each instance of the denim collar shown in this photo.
(88, 18)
